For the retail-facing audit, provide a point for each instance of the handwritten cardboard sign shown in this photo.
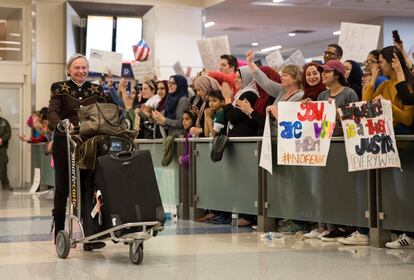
(211, 49)
(369, 135)
(104, 61)
(305, 132)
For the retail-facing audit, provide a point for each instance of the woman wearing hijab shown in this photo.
(204, 85)
(175, 105)
(258, 112)
(239, 123)
(353, 75)
(312, 81)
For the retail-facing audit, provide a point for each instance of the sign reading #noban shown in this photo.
(305, 132)
(369, 135)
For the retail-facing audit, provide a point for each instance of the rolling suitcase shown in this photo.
(129, 191)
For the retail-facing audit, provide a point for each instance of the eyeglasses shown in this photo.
(370, 61)
(326, 53)
(171, 83)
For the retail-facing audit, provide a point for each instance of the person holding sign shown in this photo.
(403, 115)
(333, 78)
(312, 81)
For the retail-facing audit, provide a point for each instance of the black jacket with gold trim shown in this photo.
(67, 97)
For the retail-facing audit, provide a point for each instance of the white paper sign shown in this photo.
(369, 135)
(178, 69)
(211, 49)
(357, 40)
(305, 132)
(266, 152)
(143, 70)
(275, 59)
(104, 61)
(295, 58)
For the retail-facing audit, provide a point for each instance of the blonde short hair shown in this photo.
(296, 72)
(72, 59)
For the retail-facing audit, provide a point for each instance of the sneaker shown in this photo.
(312, 234)
(402, 242)
(334, 235)
(405, 256)
(355, 238)
(325, 232)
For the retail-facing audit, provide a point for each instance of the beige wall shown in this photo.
(50, 47)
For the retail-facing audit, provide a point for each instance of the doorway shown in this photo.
(11, 110)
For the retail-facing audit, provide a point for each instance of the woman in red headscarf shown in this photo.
(258, 112)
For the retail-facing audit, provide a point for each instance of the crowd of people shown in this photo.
(233, 101)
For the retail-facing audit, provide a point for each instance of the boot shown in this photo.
(93, 246)
(6, 187)
(59, 223)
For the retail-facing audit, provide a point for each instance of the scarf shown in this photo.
(355, 78)
(263, 101)
(174, 97)
(248, 84)
(312, 91)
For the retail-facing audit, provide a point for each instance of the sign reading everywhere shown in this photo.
(305, 132)
(369, 135)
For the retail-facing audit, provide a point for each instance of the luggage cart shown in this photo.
(138, 232)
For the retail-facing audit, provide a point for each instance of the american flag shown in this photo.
(141, 51)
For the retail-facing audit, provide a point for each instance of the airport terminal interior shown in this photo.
(221, 164)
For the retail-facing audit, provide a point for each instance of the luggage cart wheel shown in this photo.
(62, 244)
(136, 252)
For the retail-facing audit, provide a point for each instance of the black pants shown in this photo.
(3, 166)
(60, 157)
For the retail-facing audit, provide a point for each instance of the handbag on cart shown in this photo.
(99, 119)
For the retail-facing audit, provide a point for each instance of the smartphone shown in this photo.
(396, 36)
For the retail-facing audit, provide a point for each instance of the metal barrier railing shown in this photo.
(378, 199)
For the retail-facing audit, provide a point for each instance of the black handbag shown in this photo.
(218, 144)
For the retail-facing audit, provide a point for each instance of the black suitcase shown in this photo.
(129, 192)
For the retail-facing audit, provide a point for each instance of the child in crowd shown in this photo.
(189, 120)
(214, 115)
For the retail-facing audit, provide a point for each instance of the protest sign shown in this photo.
(211, 49)
(104, 61)
(143, 70)
(357, 40)
(275, 59)
(369, 135)
(305, 132)
(266, 151)
(295, 58)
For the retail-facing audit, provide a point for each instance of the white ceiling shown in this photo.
(245, 22)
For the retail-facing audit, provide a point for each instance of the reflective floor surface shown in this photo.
(184, 250)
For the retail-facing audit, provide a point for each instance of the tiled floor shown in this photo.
(185, 250)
